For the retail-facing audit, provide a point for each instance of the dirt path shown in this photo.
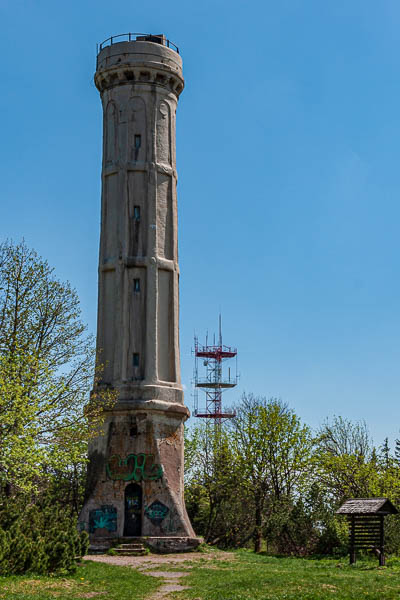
(156, 560)
(171, 583)
(172, 579)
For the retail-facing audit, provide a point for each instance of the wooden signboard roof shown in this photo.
(367, 506)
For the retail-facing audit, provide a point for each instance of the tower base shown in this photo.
(135, 479)
(157, 545)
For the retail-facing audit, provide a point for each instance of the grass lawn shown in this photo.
(245, 576)
(91, 580)
(257, 577)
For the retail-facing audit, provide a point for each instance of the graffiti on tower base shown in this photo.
(135, 467)
(156, 512)
(104, 517)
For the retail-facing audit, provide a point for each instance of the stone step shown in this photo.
(131, 549)
(129, 552)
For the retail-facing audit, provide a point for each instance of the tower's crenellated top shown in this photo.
(147, 59)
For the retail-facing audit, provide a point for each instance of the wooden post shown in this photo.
(382, 544)
(352, 536)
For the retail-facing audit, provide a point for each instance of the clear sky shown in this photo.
(288, 150)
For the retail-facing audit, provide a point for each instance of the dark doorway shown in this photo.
(133, 510)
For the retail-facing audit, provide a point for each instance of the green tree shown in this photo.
(214, 490)
(46, 372)
(346, 460)
(397, 450)
(273, 451)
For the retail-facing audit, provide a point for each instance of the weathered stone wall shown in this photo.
(144, 448)
(139, 84)
(137, 335)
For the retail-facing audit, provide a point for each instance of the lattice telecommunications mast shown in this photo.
(213, 382)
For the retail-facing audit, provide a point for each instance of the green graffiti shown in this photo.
(156, 512)
(102, 521)
(103, 518)
(136, 467)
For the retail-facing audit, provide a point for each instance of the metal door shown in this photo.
(133, 510)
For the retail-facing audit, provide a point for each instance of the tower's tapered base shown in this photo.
(157, 545)
(135, 478)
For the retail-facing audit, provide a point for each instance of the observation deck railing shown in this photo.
(136, 37)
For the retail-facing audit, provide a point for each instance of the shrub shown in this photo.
(40, 540)
(392, 534)
(334, 537)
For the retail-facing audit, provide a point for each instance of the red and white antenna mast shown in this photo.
(213, 382)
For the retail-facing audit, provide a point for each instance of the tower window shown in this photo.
(138, 141)
(133, 430)
(135, 359)
(136, 213)
(136, 285)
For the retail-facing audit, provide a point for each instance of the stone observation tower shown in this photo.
(135, 479)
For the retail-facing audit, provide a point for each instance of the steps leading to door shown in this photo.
(132, 549)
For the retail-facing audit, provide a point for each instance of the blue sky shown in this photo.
(288, 147)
